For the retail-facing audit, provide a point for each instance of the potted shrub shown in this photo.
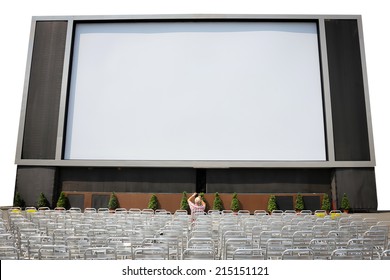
(272, 204)
(299, 204)
(19, 201)
(153, 202)
(184, 203)
(63, 201)
(235, 204)
(113, 203)
(345, 203)
(205, 201)
(42, 201)
(325, 205)
(217, 204)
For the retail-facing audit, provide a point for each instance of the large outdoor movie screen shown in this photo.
(213, 91)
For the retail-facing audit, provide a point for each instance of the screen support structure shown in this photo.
(330, 162)
(353, 176)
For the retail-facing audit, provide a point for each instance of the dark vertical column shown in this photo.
(201, 180)
(347, 91)
(44, 90)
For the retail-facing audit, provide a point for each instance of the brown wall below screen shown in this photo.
(171, 201)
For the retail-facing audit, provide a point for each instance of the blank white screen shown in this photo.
(196, 91)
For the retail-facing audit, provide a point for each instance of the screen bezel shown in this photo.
(58, 160)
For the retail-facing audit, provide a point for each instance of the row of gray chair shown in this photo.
(135, 234)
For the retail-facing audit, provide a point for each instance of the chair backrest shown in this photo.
(347, 254)
(122, 245)
(90, 210)
(332, 223)
(232, 244)
(277, 212)
(75, 209)
(243, 212)
(277, 225)
(385, 255)
(7, 240)
(54, 252)
(168, 244)
(321, 231)
(302, 238)
(9, 253)
(249, 254)
(306, 224)
(100, 253)
(134, 211)
(35, 242)
(260, 213)
(341, 237)
(321, 214)
(175, 241)
(161, 212)
(150, 253)
(180, 212)
(306, 212)
(198, 254)
(60, 235)
(232, 234)
(378, 239)
(288, 230)
(60, 209)
(135, 236)
(147, 211)
(276, 247)
(227, 212)
(77, 245)
(345, 221)
(266, 235)
(370, 222)
(364, 245)
(385, 223)
(200, 234)
(201, 243)
(381, 227)
(98, 236)
(298, 254)
(290, 212)
(322, 247)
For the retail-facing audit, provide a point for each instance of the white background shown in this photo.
(15, 31)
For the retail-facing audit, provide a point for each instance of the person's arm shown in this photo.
(191, 197)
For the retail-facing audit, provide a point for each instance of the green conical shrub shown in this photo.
(205, 201)
(153, 202)
(272, 204)
(42, 201)
(19, 201)
(184, 203)
(63, 201)
(299, 204)
(113, 203)
(345, 202)
(325, 205)
(235, 204)
(217, 205)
